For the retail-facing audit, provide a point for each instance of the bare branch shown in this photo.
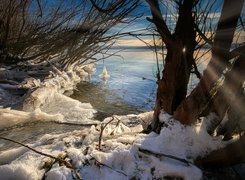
(40, 8)
(121, 172)
(165, 155)
(61, 161)
(159, 22)
(207, 40)
(102, 128)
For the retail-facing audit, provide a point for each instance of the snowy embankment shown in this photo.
(119, 152)
(48, 103)
(113, 149)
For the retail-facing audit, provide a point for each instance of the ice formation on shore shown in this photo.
(48, 103)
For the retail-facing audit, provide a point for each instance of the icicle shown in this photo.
(104, 75)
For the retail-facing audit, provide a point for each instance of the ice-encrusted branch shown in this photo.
(146, 151)
(58, 159)
(61, 161)
(102, 164)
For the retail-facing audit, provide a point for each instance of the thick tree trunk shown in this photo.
(172, 87)
(232, 97)
(168, 85)
(229, 98)
(190, 109)
(230, 155)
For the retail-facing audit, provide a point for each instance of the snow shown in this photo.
(117, 153)
(9, 117)
(22, 171)
(72, 110)
(114, 154)
(26, 169)
(48, 103)
(193, 139)
(120, 156)
(59, 173)
(10, 155)
(61, 109)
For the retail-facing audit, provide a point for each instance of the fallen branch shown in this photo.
(75, 124)
(9, 86)
(102, 164)
(145, 151)
(61, 161)
(229, 155)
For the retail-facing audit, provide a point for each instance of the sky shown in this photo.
(140, 25)
(166, 8)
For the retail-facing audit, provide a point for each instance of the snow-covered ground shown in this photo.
(125, 153)
(113, 149)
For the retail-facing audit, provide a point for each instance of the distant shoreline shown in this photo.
(142, 48)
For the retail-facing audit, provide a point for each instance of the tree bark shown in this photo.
(172, 87)
(229, 155)
(233, 97)
(190, 109)
(229, 98)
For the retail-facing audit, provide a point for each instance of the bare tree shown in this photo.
(190, 110)
(180, 45)
(196, 28)
(221, 87)
(63, 32)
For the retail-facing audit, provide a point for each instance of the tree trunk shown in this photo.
(168, 86)
(190, 109)
(172, 87)
(229, 98)
(229, 155)
(232, 98)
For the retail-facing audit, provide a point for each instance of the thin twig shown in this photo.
(155, 50)
(76, 174)
(118, 121)
(165, 155)
(102, 129)
(40, 8)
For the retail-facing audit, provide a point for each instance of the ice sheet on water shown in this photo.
(8, 99)
(9, 117)
(60, 109)
(72, 110)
